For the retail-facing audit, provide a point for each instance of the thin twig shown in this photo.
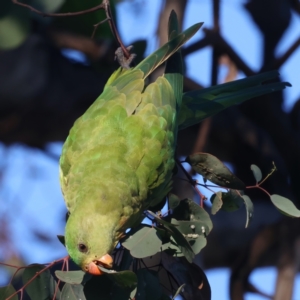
(97, 25)
(105, 5)
(281, 60)
(68, 14)
(272, 171)
(36, 275)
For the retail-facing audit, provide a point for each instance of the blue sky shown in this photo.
(30, 186)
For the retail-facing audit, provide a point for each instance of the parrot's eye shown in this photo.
(82, 248)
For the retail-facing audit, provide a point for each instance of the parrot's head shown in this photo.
(89, 240)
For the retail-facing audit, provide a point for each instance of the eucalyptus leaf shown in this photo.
(125, 279)
(101, 287)
(256, 172)
(72, 277)
(232, 201)
(188, 210)
(285, 206)
(172, 248)
(214, 170)
(148, 285)
(216, 200)
(61, 238)
(7, 291)
(124, 284)
(72, 292)
(178, 237)
(125, 260)
(191, 229)
(197, 244)
(173, 201)
(142, 242)
(14, 25)
(196, 283)
(249, 209)
(39, 288)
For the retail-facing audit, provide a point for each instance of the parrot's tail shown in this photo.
(200, 104)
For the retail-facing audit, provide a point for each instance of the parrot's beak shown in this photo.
(105, 261)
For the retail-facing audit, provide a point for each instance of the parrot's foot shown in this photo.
(122, 60)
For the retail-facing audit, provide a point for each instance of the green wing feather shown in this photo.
(200, 104)
(130, 125)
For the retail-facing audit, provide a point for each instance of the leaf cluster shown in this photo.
(172, 241)
(174, 238)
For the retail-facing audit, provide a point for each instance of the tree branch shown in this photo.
(105, 5)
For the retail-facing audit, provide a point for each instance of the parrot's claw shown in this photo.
(122, 59)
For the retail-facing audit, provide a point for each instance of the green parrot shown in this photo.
(119, 157)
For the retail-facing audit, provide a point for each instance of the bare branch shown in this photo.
(105, 5)
(281, 60)
(69, 14)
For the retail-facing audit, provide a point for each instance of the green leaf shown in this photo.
(216, 200)
(122, 284)
(126, 260)
(285, 206)
(196, 283)
(191, 229)
(73, 277)
(249, 209)
(61, 238)
(232, 201)
(125, 279)
(142, 242)
(148, 285)
(178, 291)
(197, 244)
(182, 243)
(172, 248)
(188, 210)
(14, 25)
(100, 287)
(194, 232)
(7, 291)
(72, 292)
(39, 288)
(256, 172)
(173, 201)
(211, 168)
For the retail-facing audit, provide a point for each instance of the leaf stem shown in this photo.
(257, 186)
(272, 171)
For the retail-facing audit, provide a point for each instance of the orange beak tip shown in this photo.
(105, 261)
(93, 269)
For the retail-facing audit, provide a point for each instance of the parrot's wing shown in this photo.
(150, 63)
(97, 133)
(154, 60)
(200, 104)
(174, 65)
